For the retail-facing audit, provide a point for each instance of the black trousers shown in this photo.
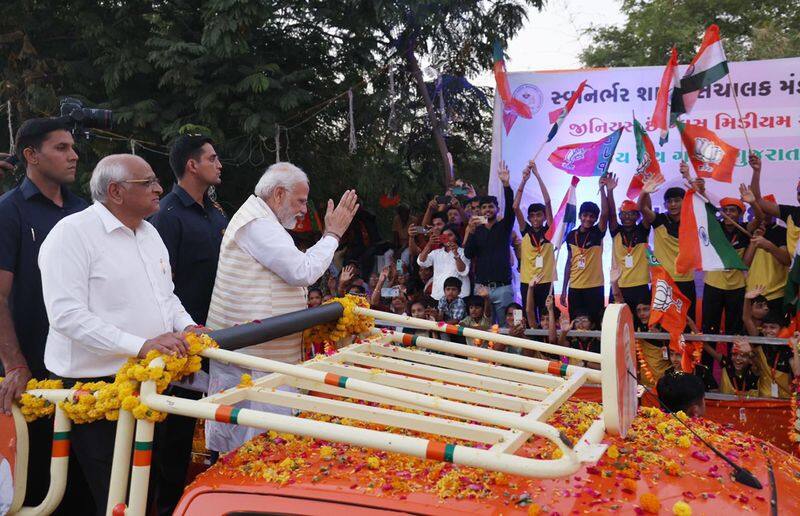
(173, 453)
(540, 293)
(715, 302)
(77, 498)
(587, 300)
(636, 295)
(688, 289)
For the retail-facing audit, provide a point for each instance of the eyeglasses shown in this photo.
(147, 183)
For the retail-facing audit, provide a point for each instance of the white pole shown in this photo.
(553, 349)
(142, 454)
(123, 441)
(470, 412)
(528, 363)
(413, 446)
(59, 467)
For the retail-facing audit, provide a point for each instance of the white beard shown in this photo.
(287, 219)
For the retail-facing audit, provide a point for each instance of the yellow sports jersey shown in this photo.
(791, 216)
(775, 362)
(586, 258)
(536, 256)
(630, 254)
(766, 270)
(733, 278)
(665, 243)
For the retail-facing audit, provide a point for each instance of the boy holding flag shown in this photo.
(536, 251)
(584, 266)
(629, 248)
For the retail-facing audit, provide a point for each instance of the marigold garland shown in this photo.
(349, 324)
(648, 373)
(93, 401)
(794, 419)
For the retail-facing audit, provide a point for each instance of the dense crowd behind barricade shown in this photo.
(463, 261)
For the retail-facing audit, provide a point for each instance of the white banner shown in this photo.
(769, 97)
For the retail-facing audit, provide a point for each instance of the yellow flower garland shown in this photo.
(349, 324)
(93, 401)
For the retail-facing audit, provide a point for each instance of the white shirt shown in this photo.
(444, 266)
(272, 246)
(106, 290)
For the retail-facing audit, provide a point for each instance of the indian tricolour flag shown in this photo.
(702, 243)
(707, 67)
(565, 217)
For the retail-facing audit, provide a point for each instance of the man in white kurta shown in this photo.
(262, 274)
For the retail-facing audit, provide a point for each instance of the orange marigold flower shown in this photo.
(650, 503)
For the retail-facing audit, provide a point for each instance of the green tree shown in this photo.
(751, 30)
(240, 69)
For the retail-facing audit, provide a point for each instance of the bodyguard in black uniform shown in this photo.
(27, 214)
(191, 225)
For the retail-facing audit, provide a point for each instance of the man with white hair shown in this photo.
(262, 274)
(108, 292)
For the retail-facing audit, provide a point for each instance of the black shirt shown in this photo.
(26, 218)
(192, 234)
(491, 248)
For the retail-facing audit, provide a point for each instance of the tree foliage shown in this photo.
(752, 30)
(239, 69)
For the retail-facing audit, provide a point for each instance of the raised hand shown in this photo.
(548, 303)
(755, 161)
(537, 279)
(742, 345)
(348, 273)
(684, 170)
(754, 293)
(526, 174)
(482, 291)
(565, 324)
(502, 173)
(746, 194)
(699, 185)
(652, 184)
(611, 182)
(338, 219)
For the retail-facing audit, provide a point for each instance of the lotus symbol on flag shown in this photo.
(643, 166)
(708, 153)
(662, 298)
(572, 156)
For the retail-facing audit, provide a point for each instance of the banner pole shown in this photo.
(541, 147)
(738, 110)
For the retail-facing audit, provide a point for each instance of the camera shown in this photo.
(82, 118)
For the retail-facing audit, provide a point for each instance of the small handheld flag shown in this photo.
(586, 159)
(557, 116)
(566, 216)
(648, 162)
(663, 112)
(512, 107)
(710, 156)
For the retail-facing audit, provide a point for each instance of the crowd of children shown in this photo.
(457, 263)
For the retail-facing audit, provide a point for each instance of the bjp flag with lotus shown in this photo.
(669, 308)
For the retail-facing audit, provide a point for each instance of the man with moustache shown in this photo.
(107, 286)
(261, 274)
(191, 225)
(45, 148)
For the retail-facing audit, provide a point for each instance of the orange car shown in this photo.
(659, 468)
